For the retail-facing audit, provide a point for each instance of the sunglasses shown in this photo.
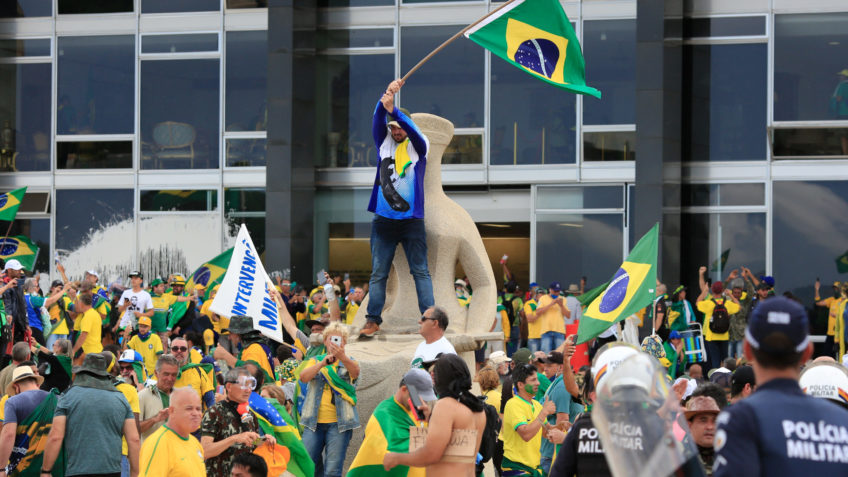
(179, 348)
(126, 367)
(425, 318)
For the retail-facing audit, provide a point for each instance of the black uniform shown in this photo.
(581, 454)
(779, 431)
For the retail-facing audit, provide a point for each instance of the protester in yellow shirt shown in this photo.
(130, 392)
(147, 344)
(172, 450)
(552, 313)
(534, 324)
(354, 299)
(255, 350)
(193, 375)
(523, 423)
(88, 326)
(716, 343)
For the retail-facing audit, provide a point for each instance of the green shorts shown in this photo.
(159, 323)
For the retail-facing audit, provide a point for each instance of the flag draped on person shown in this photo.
(9, 203)
(630, 289)
(244, 290)
(387, 431)
(31, 440)
(210, 273)
(20, 248)
(274, 420)
(536, 37)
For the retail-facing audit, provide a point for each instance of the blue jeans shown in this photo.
(551, 340)
(545, 464)
(716, 352)
(735, 349)
(535, 344)
(327, 448)
(125, 467)
(386, 234)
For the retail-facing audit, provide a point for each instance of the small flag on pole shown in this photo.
(9, 203)
(536, 36)
(630, 289)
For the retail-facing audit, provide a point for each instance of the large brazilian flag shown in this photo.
(387, 431)
(275, 421)
(210, 273)
(630, 289)
(9, 203)
(536, 37)
(20, 248)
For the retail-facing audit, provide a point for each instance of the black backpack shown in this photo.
(720, 321)
(490, 433)
(510, 310)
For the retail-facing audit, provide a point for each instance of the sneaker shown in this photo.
(369, 330)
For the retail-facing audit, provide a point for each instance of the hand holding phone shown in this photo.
(416, 402)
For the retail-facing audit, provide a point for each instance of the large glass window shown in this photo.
(809, 54)
(345, 101)
(809, 236)
(96, 85)
(572, 245)
(721, 242)
(532, 122)
(95, 224)
(25, 117)
(170, 6)
(178, 200)
(95, 6)
(94, 154)
(247, 64)
(724, 106)
(26, 8)
(179, 114)
(450, 85)
(25, 47)
(610, 49)
(342, 228)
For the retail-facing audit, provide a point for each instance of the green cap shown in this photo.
(155, 282)
(522, 356)
(241, 324)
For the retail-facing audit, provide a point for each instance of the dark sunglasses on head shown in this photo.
(179, 348)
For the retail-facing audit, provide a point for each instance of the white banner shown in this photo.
(244, 290)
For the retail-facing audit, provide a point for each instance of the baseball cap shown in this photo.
(555, 286)
(499, 357)
(717, 287)
(775, 318)
(768, 279)
(13, 265)
(532, 284)
(522, 356)
(555, 357)
(144, 320)
(129, 356)
(92, 272)
(422, 382)
(674, 335)
(827, 380)
(135, 273)
(743, 375)
(57, 283)
(156, 282)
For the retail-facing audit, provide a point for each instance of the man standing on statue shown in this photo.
(397, 201)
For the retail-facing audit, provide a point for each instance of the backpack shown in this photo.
(490, 433)
(510, 310)
(720, 321)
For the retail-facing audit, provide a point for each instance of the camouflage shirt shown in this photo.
(220, 422)
(739, 321)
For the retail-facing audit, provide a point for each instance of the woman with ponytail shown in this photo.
(456, 410)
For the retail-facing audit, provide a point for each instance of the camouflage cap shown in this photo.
(241, 324)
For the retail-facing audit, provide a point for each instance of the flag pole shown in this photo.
(8, 230)
(451, 39)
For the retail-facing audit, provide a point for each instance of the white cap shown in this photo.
(92, 272)
(499, 357)
(13, 265)
(827, 380)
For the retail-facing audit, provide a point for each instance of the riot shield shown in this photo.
(640, 423)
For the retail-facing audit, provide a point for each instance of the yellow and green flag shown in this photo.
(20, 248)
(842, 263)
(275, 421)
(387, 431)
(9, 203)
(630, 289)
(210, 273)
(536, 37)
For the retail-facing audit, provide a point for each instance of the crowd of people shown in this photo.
(147, 380)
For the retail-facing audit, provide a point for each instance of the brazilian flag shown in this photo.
(842, 263)
(9, 203)
(275, 421)
(21, 249)
(630, 289)
(536, 37)
(210, 273)
(387, 431)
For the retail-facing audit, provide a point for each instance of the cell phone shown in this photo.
(336, 340)
(416, 401)
(320, 276)
(347, 277)
(221, 389)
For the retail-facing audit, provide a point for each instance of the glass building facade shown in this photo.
(144, 127)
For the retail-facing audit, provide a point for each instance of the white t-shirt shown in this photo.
(139, 301)
(573, 305)
(425, 353)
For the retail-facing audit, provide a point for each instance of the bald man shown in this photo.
(172, 450)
